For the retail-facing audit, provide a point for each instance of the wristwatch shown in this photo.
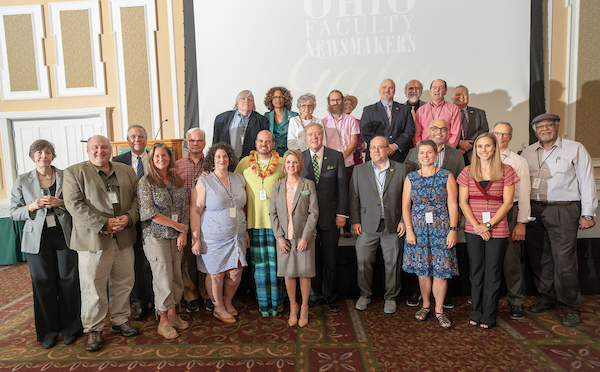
(452, 228)
(488, 225)
(588, 218)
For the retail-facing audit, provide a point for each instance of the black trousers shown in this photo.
(142, 293)
(56, 293)
(324, 284)
(552, 251)
(485, 274)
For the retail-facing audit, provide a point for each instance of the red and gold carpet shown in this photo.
(349, 340)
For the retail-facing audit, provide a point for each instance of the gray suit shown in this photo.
(52, 265)
(102, 256)
(365, 208)
(454, 161)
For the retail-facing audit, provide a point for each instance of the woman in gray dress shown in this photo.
(218, 223)
(294, 214)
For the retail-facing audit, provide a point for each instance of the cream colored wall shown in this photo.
(111, 98)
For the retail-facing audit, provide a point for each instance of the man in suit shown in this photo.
(413, 90)
(240, 126)
(375, 215)
(325, 167)
(448, 158)
(389, 119)
(472, 122)
(101, 196)
(142, 294)
(438, 108)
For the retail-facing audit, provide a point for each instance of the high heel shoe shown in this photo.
(303, 321)
(293, 320)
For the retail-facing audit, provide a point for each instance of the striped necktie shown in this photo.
(388, 111)
(140, 168)
(464, 122)
(315, 162)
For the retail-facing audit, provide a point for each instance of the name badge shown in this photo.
(175, 217)
(341, 149)
(112, 196)
(51, 220)
(536, 183)
(428, 217)
(305, 192)
(263, 194)
(485, 217)
(232, 213)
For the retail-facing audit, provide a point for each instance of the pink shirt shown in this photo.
(338, 134)
(428, 112)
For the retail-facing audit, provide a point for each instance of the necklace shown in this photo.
(255, 167)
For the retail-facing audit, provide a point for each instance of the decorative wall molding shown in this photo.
(150, 20)
(571, 69)
(6, 134)
(93, 9)
(173, 69)
(37, 22)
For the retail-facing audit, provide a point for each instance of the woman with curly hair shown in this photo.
(164, 212)
(279, 101)
(218, 222)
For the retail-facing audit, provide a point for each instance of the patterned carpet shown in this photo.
(346, 341)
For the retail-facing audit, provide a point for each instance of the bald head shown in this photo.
(98, 149)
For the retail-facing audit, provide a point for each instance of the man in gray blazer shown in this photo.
(472, 121)
(375, 215)
(102, 198)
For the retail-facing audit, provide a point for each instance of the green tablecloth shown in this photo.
(11, 233)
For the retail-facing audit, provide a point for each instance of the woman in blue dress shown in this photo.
(430, 211)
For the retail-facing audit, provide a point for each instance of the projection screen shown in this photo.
(319, 45)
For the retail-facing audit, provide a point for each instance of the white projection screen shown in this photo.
(352, 45)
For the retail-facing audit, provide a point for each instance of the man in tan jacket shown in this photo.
(101, 196)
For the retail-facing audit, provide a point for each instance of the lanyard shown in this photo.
(430, 192)
(231, 200)
(538, 159)
(441, 108)
(484, 191)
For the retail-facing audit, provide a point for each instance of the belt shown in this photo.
(549, 204)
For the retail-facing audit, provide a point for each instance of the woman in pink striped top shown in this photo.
(486, 195)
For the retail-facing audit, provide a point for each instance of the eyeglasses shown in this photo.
(134, 136)
(277, 97)
(307, 106)
(498, 134)
(544, 126)
(378, 147)
(441, 129)
(335, 100)
(195, 141)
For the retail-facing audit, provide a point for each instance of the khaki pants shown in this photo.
(97, 268)
(165, 262)
(194, 287)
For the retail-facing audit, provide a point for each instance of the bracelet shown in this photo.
(408, 227)
(452, 228)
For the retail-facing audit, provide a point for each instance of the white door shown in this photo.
(67, 135)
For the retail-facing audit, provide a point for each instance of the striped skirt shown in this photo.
(262, 257)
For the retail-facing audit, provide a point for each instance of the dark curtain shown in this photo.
(536, 55)
(191, 78)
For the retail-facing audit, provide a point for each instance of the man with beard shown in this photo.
(341, 130)
(189, 169)
(413, 90)
(449, 159)
(438, 108)
(325, 167)
(563, 198)
(472, 121)
(262, 169)
(240, 126)
(389, 119)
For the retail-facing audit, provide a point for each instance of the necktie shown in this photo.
(140, 168)
(412, 111)
(464, 122)
(316, 168)
(388, 111)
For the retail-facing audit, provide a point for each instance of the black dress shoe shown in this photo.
(49, 344)
(94, 342)
(333, 306)
(125, 329)
(139, 314)
(517, 312)
(68, 340)
(570, 320)
(540, 307)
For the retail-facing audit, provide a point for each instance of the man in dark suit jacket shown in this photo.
(332, 194)
(472, 120)
(375, 215)
(413, 90)
(452, 160)
(240, 126)
(142, 294)
(399, 131)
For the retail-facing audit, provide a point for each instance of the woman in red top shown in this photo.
(486, 194)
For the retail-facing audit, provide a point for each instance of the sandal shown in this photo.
(178, 323)
(485, 326)
(443, 320)
(473, 323)
(293, 320)
(422, 314)
(167, 332)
